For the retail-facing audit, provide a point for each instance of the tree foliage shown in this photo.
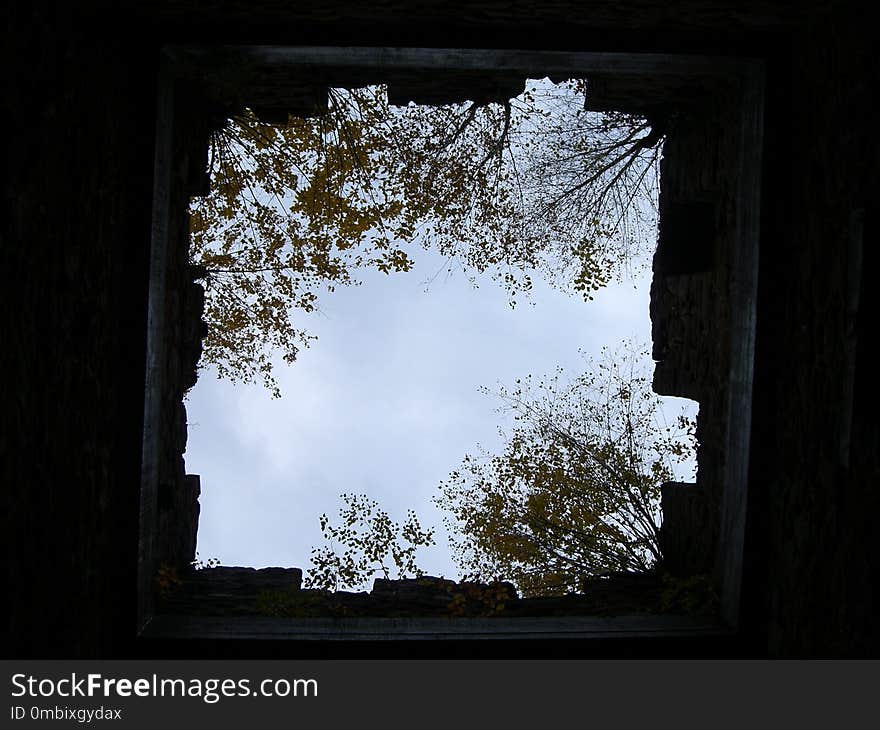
(574, 491)
(535, 184)
(293, 210)
(366, 543)
(538, 184)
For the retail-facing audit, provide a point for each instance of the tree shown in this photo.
(366, 543)
(292, 210)
(575, 490)
(573, 493)
(535, 184)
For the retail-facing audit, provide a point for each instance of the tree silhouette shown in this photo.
(366, 543)
(574, 492)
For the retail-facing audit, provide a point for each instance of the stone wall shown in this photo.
(225, 591)
(690, 311)
(178, 493)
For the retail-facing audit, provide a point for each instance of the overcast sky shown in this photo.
(385, 403)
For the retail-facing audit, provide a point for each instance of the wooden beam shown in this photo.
(429, 629)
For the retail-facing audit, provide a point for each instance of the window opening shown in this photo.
(686, 263)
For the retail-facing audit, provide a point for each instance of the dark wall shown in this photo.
(690, 311)
(80, 96)
(698, 25)
(813, 566)
(76, 226)
(177, 494)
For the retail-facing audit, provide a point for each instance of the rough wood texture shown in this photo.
(436, 629)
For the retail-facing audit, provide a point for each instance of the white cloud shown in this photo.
(384, 402)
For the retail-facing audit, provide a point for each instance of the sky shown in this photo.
(384, 403)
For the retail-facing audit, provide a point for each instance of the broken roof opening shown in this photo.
(256, 76)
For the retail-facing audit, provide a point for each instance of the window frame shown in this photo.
(748, 72)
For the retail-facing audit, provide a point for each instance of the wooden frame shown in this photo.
(200, 62)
